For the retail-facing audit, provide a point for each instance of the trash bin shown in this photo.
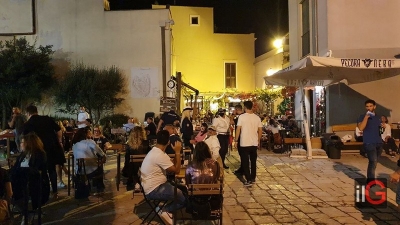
(326, 137)
(334, 145)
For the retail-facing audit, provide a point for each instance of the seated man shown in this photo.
(213, 143)
(153, 175)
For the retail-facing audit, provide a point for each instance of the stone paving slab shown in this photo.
(287, 191)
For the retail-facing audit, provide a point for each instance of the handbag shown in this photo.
(82, 184)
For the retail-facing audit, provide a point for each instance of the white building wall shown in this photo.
(355, 29)
(271, 60)
(81, 31)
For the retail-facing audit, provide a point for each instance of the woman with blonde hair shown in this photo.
(100, 139)
(187, 127)
(137, 144)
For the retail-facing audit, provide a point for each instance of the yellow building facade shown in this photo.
(208, 61)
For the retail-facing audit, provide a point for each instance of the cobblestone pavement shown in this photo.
(287, 191)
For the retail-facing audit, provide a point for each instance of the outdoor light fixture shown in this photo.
(270, 72)
(278, 43)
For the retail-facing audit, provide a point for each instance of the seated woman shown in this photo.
(202, 169)
(389, 144)
(26, 172)
(99, 138)
(137, 144)
(84, 147)
(201, 135)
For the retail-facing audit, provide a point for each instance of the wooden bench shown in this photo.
(351, 128)
(287, 142)
(351, 146)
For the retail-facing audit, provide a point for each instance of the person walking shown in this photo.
(222, 124)
(249, 130)
(369, 123)
(167, 118)
(51, 136)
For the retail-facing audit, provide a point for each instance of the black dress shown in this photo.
(131, 170)
(187, 132)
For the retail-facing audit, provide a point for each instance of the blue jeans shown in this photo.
(373, 150)
(165, 192)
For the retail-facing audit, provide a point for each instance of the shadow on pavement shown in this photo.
(377, 215)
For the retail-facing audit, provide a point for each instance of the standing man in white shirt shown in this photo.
(249, 130)
(82, 117)
(222, 124)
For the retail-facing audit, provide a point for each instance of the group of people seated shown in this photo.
(202, 169)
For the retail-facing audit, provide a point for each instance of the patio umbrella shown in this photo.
(322, 71)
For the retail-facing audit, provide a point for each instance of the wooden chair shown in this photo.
(288, 142)
(187, 152)
(117, 148)
(205, 202)
(137, 159)
(266, 140)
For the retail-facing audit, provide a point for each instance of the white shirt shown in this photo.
(25, 161)
(82, 116)
(249, 123)
(153, 169)
(87, 149)
(128, 127)
(222, 124)
(386, 132)
(273, 129)
(214, 146)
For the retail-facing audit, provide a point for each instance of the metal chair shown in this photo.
(152, 203)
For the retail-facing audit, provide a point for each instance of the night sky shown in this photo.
(268, 19)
